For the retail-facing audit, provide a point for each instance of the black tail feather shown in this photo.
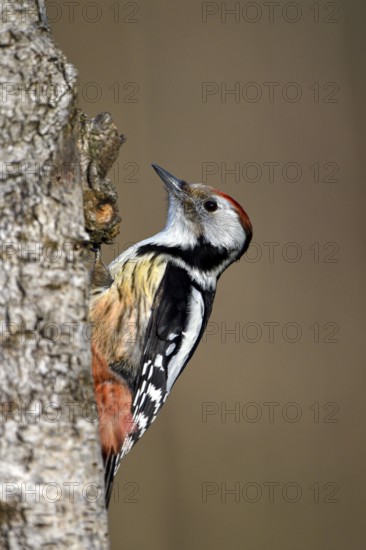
(109, 467)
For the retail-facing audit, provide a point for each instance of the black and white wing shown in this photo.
(179, 316)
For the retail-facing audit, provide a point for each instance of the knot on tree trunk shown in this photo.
(99, 144)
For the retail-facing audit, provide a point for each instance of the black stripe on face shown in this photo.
(204, 256)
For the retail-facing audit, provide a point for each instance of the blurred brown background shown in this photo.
(262, 443)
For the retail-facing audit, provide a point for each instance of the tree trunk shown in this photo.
(51, 480)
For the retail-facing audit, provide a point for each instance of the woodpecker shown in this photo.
(150, 308)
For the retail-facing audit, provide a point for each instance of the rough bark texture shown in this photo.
(51, 481)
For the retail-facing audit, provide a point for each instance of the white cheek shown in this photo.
(225, 230)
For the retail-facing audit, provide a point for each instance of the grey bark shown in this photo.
(51, 480)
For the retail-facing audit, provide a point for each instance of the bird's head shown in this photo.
(199, 214)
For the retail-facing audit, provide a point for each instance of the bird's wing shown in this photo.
(178, 318)
(164, 338)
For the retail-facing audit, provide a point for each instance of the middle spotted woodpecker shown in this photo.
(151, 307)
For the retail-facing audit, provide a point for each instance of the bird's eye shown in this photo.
(210, 206)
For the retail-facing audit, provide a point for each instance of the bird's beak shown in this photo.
(174, 185)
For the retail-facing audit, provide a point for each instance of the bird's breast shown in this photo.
(120, 314)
